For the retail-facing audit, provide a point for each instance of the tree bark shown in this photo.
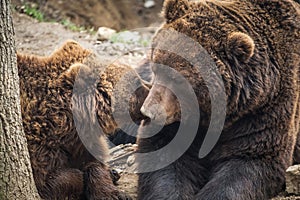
(16, 180)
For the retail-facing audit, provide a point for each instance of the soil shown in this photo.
(41, 38)
(117, 14)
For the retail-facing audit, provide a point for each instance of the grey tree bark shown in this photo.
(16, 180)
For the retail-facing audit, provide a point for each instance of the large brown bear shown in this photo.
(255, 48)
(65, 94)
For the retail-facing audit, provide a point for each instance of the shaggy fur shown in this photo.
(255, 46)
(62, 165)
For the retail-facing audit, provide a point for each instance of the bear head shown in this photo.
(108, 95)
(216, 49)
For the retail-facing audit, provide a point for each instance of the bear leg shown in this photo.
(243, 180)
(99, 184)
(62, 184)
(179, 181)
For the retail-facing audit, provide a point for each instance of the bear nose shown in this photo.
(146, 112)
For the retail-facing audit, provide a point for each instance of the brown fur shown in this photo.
(255, 46)
(62, 165)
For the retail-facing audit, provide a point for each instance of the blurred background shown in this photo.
(116, 14)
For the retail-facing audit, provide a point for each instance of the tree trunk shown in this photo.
(16, 180)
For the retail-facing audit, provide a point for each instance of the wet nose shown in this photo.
(146, 112)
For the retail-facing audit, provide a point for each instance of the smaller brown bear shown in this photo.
(61, 96)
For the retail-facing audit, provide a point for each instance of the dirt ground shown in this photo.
(42, 38)
(117, 14)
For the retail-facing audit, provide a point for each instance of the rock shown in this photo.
(130, 160)
(286, 198)
(293, 180)
(105, 33)
(149, 4)
(119, 157)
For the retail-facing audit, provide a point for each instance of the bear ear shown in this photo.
(174, 9)
(240, 46)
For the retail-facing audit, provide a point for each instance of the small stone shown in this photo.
(293, 180)
(105, 33)
(149, 4)
(131, 160)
